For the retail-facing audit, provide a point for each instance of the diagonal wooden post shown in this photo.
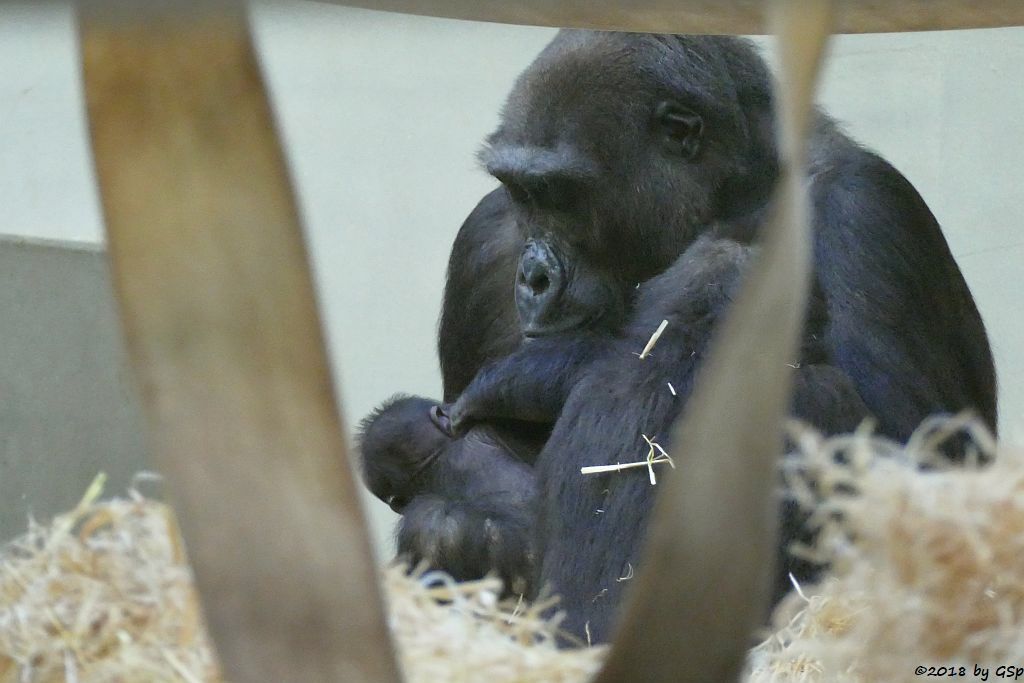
(707, 561)
(222, 327)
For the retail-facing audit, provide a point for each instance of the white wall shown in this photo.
(381, 115)
(46, 186)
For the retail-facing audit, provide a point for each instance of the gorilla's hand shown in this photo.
(460, 415)
(440, 415)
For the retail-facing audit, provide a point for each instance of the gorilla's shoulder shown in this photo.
(853, 186)
(494, 205)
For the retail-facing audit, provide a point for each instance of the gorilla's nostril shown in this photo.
(540, 283)
(534, 275)
(540, 277)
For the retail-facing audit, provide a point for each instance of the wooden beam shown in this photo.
(222, 327)
(710, 16)
(706, 570)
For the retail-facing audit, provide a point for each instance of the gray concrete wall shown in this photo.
(381, 115)
(68, 408)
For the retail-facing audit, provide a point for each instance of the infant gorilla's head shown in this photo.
(406, 436)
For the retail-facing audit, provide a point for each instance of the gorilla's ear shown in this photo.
(681, 128)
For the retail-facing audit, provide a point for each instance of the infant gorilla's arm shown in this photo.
(468, 503)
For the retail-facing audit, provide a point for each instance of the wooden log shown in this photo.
(704, 578)
(222, 327)
(711, 16)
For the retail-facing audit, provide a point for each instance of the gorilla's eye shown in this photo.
(681, 127)
(516, 190)
(541, 191)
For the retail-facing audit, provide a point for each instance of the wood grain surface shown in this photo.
(223, 330)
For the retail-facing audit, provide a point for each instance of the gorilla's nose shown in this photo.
(533, 273)
(539, 284)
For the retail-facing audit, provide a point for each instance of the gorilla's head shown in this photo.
(406, 436)
(616, 149)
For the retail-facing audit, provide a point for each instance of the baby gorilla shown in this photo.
(467, 503)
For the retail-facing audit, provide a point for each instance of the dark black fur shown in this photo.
(600, 386)
(468, 503)
(615, 152)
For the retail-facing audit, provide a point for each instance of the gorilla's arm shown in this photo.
(529, 385)
(479, 321)
(903, 324)
(825, 397)
(620, 400)
(591, 527)
(484, 364)
(533, 383)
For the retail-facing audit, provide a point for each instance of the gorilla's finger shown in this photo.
(442, 420)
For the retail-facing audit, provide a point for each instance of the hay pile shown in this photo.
(929, 572)
(480, 639)
(928, 566)
(102, 594)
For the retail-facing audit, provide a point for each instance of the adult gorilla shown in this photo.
(615, 152)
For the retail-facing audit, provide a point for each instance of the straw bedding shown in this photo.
(928, 571)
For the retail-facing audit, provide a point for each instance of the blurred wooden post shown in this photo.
(222, 327)
(738, 17)
(705, 575)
